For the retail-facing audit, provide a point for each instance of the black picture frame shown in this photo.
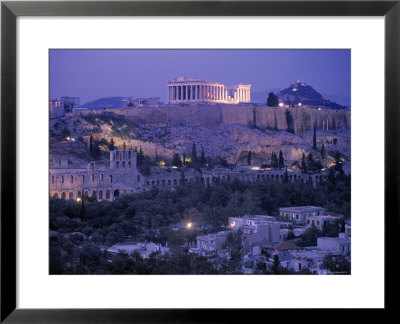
(10, 10)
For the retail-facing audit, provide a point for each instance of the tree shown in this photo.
(91, 145)
(274, 160)
(111, 146)
(96, 149)
(202, 158)
(337, 264)
(338, 165)
(310, 236)
(323, 153)
(250, 158)
(281, 161)
(194, 154)
(176, 160)
(310, 162)
(273, 100)
(303, 165)
(315, 139)
(276, 264)
(124, 146)
(140, 157)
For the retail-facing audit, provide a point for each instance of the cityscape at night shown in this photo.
(200, 162)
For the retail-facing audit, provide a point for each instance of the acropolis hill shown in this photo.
(227, 131)
(214, 115)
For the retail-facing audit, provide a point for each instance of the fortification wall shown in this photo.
(298, 120)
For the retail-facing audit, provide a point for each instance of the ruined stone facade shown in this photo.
(95, 180)
(120, 176)
(188, 90)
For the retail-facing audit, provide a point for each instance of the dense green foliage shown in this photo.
(80, 229)
(337, 264)
(272, 100)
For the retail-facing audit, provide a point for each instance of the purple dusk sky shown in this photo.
(93, 74)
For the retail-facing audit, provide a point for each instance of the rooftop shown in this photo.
(300, 209)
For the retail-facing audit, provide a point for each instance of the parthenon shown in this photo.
(188, 90)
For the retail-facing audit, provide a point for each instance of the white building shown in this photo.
(320, 220)
(340, 244)
(189, 90)
(212, 242)
(143, 248)
(298, 214)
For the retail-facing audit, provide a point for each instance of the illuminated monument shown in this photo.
(188, 90)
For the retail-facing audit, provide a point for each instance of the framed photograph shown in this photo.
(164, 158)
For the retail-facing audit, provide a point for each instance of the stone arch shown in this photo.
(71, 195)
(101, 194)
(94, 194)
(111, 179)
(55, 195)
(116, 193)
(63, 195)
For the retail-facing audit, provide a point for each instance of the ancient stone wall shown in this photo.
(299, 119)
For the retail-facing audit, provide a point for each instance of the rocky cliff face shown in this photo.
(261, 117)
(231, 140)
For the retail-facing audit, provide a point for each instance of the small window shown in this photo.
(123, 164)
(92, 177)
(101, 194)
(110, 178)
(83, 178)
(117, 164)
(72, 179)
(129, 164)
(107, 194)
(52, 179)
(62, 179)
